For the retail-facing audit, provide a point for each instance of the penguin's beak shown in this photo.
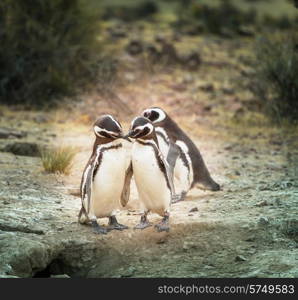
(126, 137)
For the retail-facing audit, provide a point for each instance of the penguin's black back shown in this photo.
(200, 171)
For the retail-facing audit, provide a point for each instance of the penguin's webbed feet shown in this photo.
(144, 223)
(97, 228)
(178, 197)
(163, 225)
(114, 225)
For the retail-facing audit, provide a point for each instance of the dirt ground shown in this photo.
(248, 229)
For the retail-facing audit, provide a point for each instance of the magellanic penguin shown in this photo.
(151, 173)
(185, 160)
(106, 179)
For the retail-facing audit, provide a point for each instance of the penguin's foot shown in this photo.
(114, 225)
(98, 229)
(144, 223)
(163, 225)
(177, 198)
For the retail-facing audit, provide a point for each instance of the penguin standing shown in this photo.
(185, 160)
(106, 178)
(151, 173)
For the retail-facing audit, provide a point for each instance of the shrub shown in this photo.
(57, 160)
(216, 19)
(275, 81)
(226, 18)
(129, 13)
(48, 49)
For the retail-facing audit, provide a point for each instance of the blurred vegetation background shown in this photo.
(53, 49)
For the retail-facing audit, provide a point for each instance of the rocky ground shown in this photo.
(248, 229)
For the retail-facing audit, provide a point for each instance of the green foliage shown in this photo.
(48, 49)
(138, 11)
(57, 160)
(275, 81)
(226, 18)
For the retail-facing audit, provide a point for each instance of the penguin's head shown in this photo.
(107, 126)
(154, 114)
(140, 127)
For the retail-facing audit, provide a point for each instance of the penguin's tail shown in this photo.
(209, 185)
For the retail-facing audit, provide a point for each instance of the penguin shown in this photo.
(106, 178)
(151, 173)
(186, 162)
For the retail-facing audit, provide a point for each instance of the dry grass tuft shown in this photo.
(57, 160)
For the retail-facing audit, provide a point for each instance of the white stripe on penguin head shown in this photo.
(148, 125)
(98, 129)
(159, 111)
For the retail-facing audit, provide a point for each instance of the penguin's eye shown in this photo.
(147, 114)
(135, 132)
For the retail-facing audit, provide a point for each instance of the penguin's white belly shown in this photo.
(108, 183)
(151, 183)
(181, 177)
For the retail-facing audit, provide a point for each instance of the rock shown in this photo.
(253, 274)
(25, 256)
(74, 191)
(128, 272)
(161, 240)
(228, 91)
(191, 61)
(117, 31)
(134, 47)
(169, 53)
(240, 258)
(208, 87)
(159, 38)
(290, 227)
(263, 221)
(153, 54)
(18, 226)
(6, 133)
(246, 31)
(41, 118)
(60, 276)
(277, 201)
(188, 245)
(194, 209)
(250, 239)
(262, 203)
(24, 149)
(179, 87)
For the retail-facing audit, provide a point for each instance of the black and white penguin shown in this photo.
(185, 160)
(106, 179)
(151, 173)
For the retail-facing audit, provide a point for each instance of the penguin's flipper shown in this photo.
(168, 173)
(173, 154)
(126, 187)
(86, 183)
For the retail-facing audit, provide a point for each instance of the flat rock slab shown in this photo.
(6, 133)
(23, 149)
